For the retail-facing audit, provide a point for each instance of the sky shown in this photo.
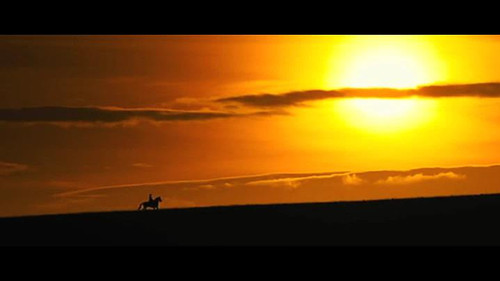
(169, 115)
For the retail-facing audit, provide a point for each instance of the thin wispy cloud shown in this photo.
(287, 99)
(294, 181)
(91, 115)
(225, 182)
(142, 165)
(480, 90)
(287, 188)
(395, 180)
(273, 104)
(352, 179)
(7, 168)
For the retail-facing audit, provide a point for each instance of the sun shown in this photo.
(386, 115)
(386, 67)
(384, 62)
(399, 62)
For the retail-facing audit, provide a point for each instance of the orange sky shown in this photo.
(80, 112)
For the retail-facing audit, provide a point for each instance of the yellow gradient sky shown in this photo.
(81, 112)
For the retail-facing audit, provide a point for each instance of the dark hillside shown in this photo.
(462, 220)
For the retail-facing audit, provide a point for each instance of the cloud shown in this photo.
(485, 90)
(294, 181)
(193, 109)
(64, 184)
(142, 165)
(85, 115)
(419, 178)
(207, 186)
(288, 99)
(225, 182)
(10, 168)
(352, 179)
(201, 187)
(290, 188)
(284, 182)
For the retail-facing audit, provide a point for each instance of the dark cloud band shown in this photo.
(288, 99)
(485, 90)
(106, 115)
(60, 114)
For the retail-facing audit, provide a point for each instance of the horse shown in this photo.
(154, 204)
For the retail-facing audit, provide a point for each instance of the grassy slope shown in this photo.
(464, 220)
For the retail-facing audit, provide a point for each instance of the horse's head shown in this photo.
(158, 198)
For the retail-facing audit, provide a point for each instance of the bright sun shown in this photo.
(385, 67)
(385, 62)
(386, 115)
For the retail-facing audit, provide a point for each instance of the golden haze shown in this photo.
(61, 148)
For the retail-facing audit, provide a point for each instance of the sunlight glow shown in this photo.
(384, 61)
(386, 67)
(386, 115)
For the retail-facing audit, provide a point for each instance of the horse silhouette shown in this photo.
(153, 204)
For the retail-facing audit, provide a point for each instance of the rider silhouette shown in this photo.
(151, 203)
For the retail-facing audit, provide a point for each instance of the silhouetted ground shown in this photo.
(463, 220)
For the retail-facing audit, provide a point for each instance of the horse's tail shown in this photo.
(140, 206)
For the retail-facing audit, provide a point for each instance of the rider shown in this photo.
(150, 198)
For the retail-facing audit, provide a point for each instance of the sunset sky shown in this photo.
(97, 122)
